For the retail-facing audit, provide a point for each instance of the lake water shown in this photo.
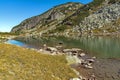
(103, 47)
(19, 43)
(15, 42)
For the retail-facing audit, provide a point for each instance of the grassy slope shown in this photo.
(17, 63)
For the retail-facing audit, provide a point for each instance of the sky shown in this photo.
(12, 12)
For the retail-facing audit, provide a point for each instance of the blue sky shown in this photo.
(12, 12)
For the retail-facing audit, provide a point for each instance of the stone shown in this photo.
(51, 49)
(92, 77)
(41, 50)
(90, 60)
(75, 79)
(101, 17)
(44, 45)
(82, 54)
(66, 50)
(58, 46)
(54, 53)
(89, 64)
(74, 50)
(94, 57)
(88, 67)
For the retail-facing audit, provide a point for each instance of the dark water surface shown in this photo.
(103, 47)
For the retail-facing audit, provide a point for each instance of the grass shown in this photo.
(18, 63)
(5, 35)
(59, 29)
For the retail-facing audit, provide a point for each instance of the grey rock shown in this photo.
(104, 15)
(82, 54)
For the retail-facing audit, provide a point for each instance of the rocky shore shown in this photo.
(87, 67)
(103, 69)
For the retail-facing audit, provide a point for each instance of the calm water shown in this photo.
(104, 47)
(20, 43)
(15, 42)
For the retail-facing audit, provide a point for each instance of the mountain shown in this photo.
(47, 20)
(99, 17)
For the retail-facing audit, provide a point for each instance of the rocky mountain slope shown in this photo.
(48, 19)
(101, 21)
(74, 19)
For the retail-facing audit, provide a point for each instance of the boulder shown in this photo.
(52, 49)
(82, 54)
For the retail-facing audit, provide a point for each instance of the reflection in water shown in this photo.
(102, 46)
(106, 47)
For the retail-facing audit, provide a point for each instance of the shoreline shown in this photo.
(90, 68)
(97, 69)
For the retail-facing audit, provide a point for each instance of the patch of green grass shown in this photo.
(18, 63)
(7, 33)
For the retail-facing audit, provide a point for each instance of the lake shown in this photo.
(20, 43)
(103, 47)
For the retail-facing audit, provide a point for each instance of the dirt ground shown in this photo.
(103, 69)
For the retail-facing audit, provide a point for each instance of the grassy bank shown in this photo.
(5, 36)
(18, 63)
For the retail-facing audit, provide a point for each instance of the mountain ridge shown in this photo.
(50, 15)
(73, 19)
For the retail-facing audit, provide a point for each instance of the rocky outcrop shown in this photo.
(74, 19)
(103, 16)
(52, 16)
